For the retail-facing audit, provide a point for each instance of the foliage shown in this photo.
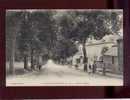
(42, 32)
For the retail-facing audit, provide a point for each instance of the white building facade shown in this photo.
(112, 58)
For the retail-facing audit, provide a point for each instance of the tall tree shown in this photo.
(12, 28)
(64, 49)
(25, 37)
(80, 25)
(45, 26)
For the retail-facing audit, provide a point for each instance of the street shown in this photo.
(61, 75)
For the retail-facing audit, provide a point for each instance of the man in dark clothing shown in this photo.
(94, 67)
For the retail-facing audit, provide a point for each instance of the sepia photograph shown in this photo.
(64, 47)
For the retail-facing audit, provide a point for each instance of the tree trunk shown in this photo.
(32, 60)
(25, 62)
(12, 57)
(11, 63)
(39, 61)
(85, 59)
(104, 69)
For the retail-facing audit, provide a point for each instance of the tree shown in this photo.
(45, 26)
(80, 25)
(12, 27)
(38, 32)
(25, 37)
(63, 50)
(65, 47)
(35, 35)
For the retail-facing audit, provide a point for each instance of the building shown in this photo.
(94, 50)
(110, 59)
(113, 57)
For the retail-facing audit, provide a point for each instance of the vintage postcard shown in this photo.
(67, 47)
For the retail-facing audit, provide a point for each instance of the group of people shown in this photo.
(89, 67)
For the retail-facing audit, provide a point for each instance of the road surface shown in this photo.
(61, 75)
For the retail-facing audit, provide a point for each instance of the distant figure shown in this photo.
(85, 67)
(94, 67)
(76, 66)
(40, 63)
(90, 68)
(39, 66)
(70, 63)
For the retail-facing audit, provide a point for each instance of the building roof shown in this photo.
(107, 39)
(112, 51)
(99, 43)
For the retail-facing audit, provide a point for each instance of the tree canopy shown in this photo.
(54, 33)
